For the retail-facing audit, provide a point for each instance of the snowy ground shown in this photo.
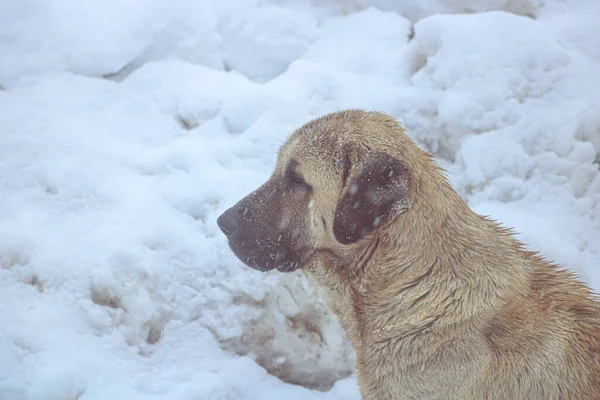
(127, 127)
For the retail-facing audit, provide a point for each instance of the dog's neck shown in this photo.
(416, 275)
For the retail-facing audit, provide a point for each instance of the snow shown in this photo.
(126, 128)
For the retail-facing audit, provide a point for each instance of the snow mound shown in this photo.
(262, 42)
(103, 38)
(415, 11)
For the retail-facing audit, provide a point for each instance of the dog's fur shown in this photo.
(437, 301)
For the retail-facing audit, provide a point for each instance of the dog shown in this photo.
(437, 301)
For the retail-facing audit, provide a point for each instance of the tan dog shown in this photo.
(437, 301)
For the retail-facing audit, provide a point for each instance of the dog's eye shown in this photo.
(296, 179)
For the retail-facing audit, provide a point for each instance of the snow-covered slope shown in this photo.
(127, 127)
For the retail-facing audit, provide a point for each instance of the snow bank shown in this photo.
(103, 38)
(126, 129)
(520, 119)
(416, 10)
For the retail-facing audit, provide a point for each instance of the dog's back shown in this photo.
(529, 332)
(547, 344)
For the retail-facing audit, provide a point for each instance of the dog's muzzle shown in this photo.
(254, 249)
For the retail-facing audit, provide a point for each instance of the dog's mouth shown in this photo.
(265, 258)
(288, 266)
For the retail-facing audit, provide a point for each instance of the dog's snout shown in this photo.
(229, 221)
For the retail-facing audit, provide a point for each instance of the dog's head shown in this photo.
(338, 180)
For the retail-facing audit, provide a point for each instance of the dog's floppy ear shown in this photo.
(376, 188)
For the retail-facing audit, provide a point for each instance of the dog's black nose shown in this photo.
(228, 221)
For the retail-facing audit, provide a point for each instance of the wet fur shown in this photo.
(437, 301)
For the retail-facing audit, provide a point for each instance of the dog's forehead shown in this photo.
(313, 144)
(310, 150)
(321, 141)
